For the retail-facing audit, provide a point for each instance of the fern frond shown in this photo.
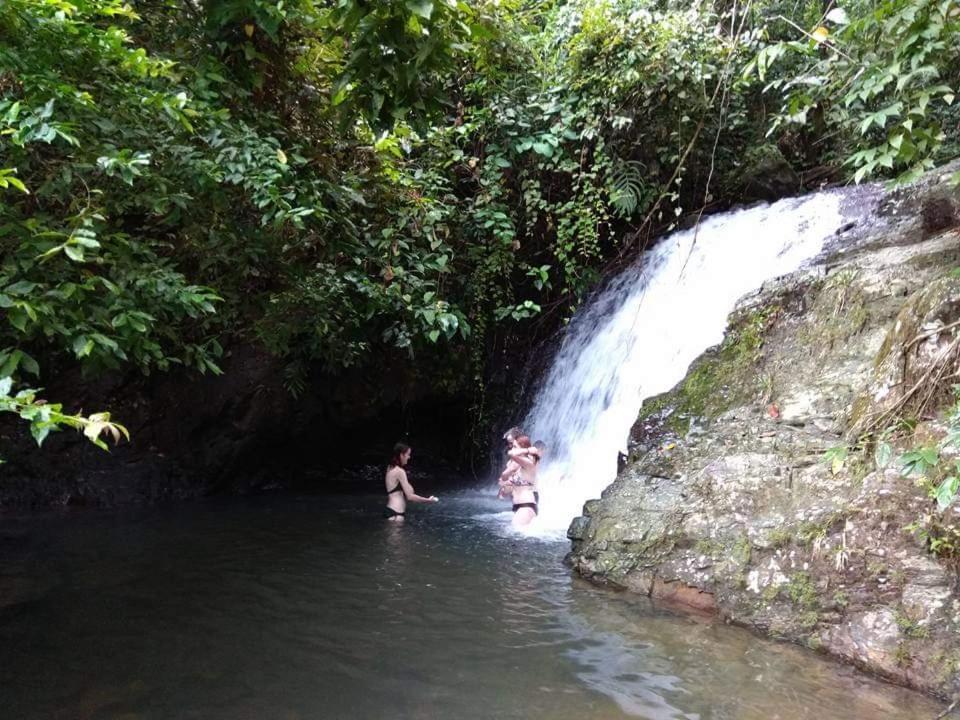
(625, 186)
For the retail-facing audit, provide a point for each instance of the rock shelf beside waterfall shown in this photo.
(726, 504)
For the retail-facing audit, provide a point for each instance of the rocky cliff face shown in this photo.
(727, 504)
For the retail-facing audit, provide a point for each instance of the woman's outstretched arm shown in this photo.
(411, 495)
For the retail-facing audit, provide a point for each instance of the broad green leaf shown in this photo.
(23, 287)
(946, 492)
(82, 346)
(74, 252)
(10, 362)
(29, 365)
(12, 113)
(915, 463)
(422, 8)
(17, 183)
(543, 148)
(40, 430)
(883, 454)
(18, 318)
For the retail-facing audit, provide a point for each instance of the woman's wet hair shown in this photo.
(541, 446)
(513, 433)
(523, 441)
(398, 450)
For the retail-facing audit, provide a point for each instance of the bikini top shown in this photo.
(517, 477)
(398, 488)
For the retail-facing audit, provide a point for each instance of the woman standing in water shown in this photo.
(399, 490)
(522, 482)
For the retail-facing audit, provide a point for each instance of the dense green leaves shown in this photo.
(400, 55)
(77, 276)
(171, 185)
(879, 80)
(936, 469)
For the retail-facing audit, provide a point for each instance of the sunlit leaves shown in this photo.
(881, 79)
(98, 424)
(45, 417)
(9, 179)
(523, 310)
(836, 457)
(126, 163)
(946, 492)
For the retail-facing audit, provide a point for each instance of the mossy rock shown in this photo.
(724, 377)
(766, 175)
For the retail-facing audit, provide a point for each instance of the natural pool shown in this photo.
(308, 607)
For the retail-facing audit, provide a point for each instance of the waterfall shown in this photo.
(637, 337)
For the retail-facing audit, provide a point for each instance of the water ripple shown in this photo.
(310, 608)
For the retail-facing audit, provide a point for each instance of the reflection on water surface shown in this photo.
(301, 608)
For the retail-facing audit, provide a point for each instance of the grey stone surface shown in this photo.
(726, 491)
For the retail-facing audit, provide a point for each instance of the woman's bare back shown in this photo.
(396, 484)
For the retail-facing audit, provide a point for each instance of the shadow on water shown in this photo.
(304, 607)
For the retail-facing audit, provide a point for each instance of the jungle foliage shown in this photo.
(346, 181)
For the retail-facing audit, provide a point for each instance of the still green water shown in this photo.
(298, 608)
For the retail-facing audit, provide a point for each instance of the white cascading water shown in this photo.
(637, 337)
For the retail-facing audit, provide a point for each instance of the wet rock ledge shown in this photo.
(727, 505)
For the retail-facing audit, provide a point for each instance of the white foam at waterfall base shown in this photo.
(637, 337)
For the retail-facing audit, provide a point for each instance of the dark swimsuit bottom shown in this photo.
(533, 506)
(389, 512)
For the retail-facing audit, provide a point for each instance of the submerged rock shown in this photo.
(726, 503)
